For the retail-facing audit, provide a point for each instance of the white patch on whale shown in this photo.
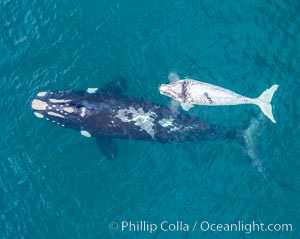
(42, 94)
(59, 101)
(174, 128)
(55, 114)
(38, 105)
(85, 133)
(39, 115)
(91, 90)
(69, 109)
(145, 120)
(83, 110)
(166, 122)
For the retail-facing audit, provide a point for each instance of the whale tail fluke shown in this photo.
(264, 102)
(250, 145)
(250, 141)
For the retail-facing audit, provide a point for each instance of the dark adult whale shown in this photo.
(107, 113)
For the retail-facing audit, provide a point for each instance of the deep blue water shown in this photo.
(54, 183)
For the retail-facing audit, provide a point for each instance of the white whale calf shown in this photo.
(191, 92)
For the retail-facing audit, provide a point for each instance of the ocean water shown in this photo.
(55, 183)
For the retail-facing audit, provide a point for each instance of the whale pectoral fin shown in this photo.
(186, 106)
(116, 87)
(107, 146)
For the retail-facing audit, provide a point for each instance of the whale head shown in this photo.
(65, 108)
(173, 90)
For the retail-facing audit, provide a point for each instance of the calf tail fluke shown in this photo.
(264, 102)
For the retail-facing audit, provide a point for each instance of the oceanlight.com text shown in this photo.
(240, 226)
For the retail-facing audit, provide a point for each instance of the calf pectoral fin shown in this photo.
(186, 106)
(173, 77)
(107, 146)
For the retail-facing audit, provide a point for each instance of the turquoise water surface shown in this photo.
(54, 183)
